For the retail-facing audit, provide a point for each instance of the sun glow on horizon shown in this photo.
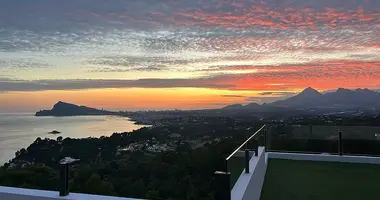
(134, 98)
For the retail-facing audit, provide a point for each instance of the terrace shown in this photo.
(303, 162)
(290, 179)
(279, 162)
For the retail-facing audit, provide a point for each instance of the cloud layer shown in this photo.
(324, 76)
(220, 44)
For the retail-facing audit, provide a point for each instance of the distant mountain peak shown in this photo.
(234, 106)
(363, 90)
(310, 88)
(253, 104)
(343, 90)
(63, 103)
(60, 102)
(341, 98)
(310, 91)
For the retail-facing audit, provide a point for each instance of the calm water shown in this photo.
(20, 130)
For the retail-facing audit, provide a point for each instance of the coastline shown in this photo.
(21, 130)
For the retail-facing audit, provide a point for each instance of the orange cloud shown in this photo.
(261, 15)
(227, 89)
(324, 76)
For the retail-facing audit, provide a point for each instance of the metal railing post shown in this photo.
(256, 147)
(310, 129)
(246, 161)
(261, 139)
(64, 180)
(222, 185)
(340, 142)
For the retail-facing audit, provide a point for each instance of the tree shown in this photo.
(22, 151)
(95, 185)
(80, 178)
(138, 188)
(153, 195)
(38, 140)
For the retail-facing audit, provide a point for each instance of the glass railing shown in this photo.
(301, 138)
(360, 140)
(237, 162)
(337, 140)
(345, 140)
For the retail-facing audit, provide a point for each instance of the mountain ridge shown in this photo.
(342, 98)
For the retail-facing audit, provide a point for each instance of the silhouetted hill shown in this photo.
(307, 96)
(68, 109)
(310, 98)
(234, 106)
(240, 107)
(252, 105)
(341, 98)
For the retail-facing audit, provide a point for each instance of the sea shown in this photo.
(19, 130)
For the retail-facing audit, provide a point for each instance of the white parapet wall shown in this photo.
(10, 193)
(325, 157)
(249, 185)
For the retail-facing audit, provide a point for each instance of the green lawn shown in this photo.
(308, 180)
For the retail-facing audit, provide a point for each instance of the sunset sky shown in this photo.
(186, 54)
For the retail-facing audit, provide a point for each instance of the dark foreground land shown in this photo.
(299, 180)
(177, 157)
(173, 161)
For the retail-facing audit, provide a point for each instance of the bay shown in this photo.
(19, 130)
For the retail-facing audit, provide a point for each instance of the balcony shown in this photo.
(303, 162)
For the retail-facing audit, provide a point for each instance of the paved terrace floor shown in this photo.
(311, 180)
